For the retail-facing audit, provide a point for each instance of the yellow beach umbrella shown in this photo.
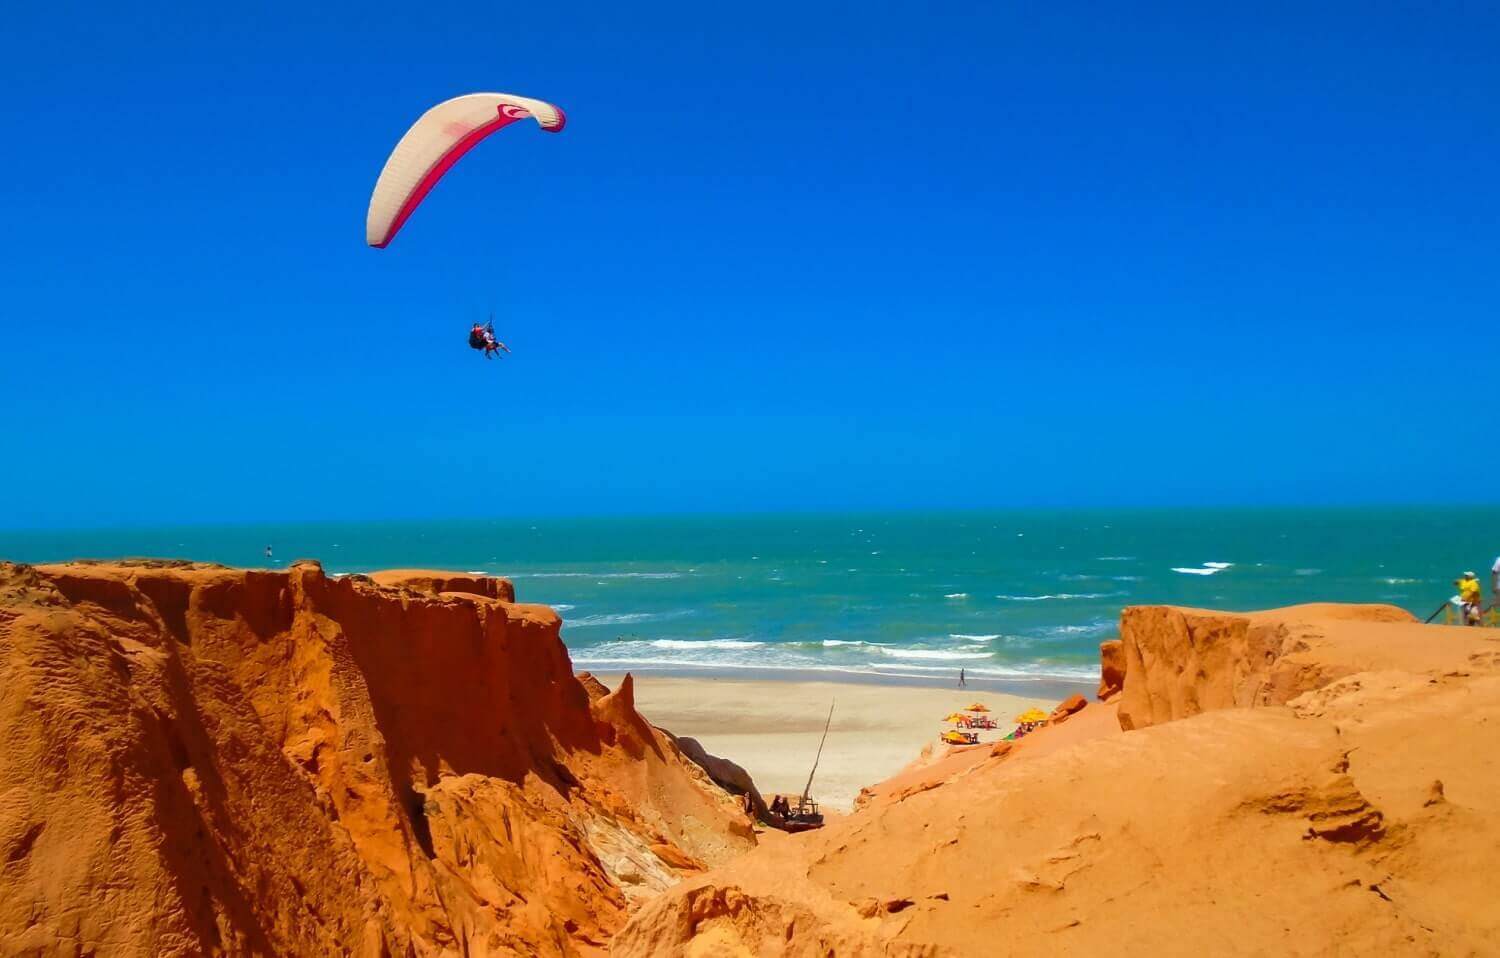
(978, 707)
(955, 717)
(1031, 715)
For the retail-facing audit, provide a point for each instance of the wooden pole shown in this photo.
(808, 790)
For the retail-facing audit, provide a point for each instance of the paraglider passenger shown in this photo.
(491, 344)
(483, 337)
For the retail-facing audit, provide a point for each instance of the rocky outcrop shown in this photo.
(434, 582)
(1179, 662)
(200, 760)
(592, 686)
(1352, 818)
(1068, 706)
(1111, 668)
(726, 774)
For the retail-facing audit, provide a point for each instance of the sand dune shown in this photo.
(1349, 806)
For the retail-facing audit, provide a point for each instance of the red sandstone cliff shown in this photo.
(1179, 662)
(1309, 781)
(202, 760)
(196, 759)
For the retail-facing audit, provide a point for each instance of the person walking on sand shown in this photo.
(961, 682)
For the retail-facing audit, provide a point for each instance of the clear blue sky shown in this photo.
(795, 256)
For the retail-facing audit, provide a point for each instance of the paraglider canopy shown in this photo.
(434, 143)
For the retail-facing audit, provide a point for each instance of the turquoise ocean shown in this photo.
(1010, 597)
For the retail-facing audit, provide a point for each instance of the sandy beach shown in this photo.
(772, 728)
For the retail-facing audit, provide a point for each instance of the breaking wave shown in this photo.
(625, 618)
(939, 654)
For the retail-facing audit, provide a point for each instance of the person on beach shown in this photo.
(961, 682)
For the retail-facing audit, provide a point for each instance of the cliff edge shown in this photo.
(196, 759)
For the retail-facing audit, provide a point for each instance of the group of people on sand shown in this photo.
(1470, 598)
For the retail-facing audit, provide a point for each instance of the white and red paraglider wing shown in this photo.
(434, 143)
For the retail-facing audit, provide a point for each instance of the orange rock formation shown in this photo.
(195, 760)
(1315, 780)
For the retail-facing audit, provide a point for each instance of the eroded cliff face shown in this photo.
(1355, 816)
(196, 759)
(1179, 662)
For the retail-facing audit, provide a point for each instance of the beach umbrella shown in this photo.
(1031, 715)
(978, 707)
(955, 717)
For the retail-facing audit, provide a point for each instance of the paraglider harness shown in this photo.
(477, 339)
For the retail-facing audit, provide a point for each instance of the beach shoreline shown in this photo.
(1042, 687)
(772, 727)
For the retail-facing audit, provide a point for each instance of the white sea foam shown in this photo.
(942, 654)
(1116, 558)
(1058, 595)
(956, 595)
(973, 638)
(563, 607)
(1038, 672)
(705, 643)
(1079, 673)
(1217, 565)
(741, 653)
(626, 618)
(1400, 581)
(1187, 571)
